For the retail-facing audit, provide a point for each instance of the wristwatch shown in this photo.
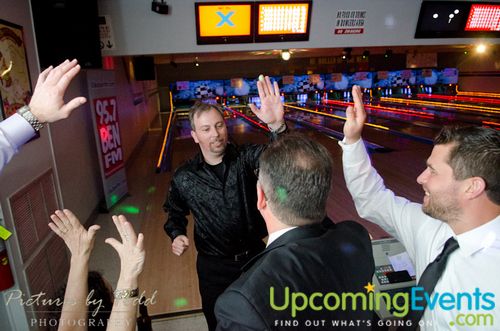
(26, 113)
(279, 130)
(126, 293)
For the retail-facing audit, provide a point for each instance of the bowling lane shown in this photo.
(333, 117)
(418, 121)
(438, 114)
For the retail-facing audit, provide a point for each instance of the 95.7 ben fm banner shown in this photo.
(102, 93)
(109, 134)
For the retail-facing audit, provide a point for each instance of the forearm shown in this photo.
(177, 211)
(14, 132)
(175, 226)
(74, 309)
(375, 202)
(370, 196)
(124, 312)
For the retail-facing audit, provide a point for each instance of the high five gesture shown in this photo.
(356, 117)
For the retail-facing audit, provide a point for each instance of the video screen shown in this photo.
(427, 76)
(448, 76)
(240, 87)
(363, 78)
(336, 81)
(395, 78)
(199, 89)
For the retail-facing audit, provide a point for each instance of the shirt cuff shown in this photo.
(353, 154)
(17, 130)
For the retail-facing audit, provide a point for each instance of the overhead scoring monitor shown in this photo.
(282, 21)
(246, 22)
(483, 18)
(224, 22)
(458, 19)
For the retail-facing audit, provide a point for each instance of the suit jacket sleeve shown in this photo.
(177, 210)
(235, 313)
(14, 132)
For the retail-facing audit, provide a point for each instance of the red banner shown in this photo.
(349, 31)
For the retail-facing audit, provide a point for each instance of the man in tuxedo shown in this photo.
(297, 282)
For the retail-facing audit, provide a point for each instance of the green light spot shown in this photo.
(180, 302)
(282, 194)
(128, 209)
(114, 199)
(452, 323)
(151, 189)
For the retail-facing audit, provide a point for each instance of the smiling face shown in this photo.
(442, 190)
(210, 132)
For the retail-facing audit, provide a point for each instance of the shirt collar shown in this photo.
(229, 153)
(487, 235)
(276, 234)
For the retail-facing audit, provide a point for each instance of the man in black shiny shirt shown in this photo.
(218, 187)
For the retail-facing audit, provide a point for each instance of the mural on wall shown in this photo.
(15, 85)
(290, 84)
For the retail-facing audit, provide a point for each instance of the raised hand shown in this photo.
(356, 117)
(47, 102)
(271, 109)
(130, 250)
(67, 226)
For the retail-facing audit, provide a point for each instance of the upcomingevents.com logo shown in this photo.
(472, 307)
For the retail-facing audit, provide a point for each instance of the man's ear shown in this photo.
(261, 197)
(475, 187)
(195, 137)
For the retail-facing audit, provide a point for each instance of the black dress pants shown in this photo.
(215, 274)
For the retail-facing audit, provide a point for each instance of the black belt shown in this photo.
(242, 256)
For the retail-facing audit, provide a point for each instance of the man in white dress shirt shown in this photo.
(461, 185)
(46, 106)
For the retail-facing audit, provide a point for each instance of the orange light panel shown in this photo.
(283, 18)
(225, 20)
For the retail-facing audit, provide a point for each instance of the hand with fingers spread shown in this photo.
(80, 243)
(132, 255)
(47, 103)
(356, 117)
(130, 250)
(271, 110)
(67, 226)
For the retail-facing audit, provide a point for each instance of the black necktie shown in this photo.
(429, 278)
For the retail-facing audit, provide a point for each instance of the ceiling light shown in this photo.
(285, 55)
(481, 48)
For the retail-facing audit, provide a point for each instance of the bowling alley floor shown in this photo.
(170, 282)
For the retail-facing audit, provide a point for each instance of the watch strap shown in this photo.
(126, 293)
(26, 113)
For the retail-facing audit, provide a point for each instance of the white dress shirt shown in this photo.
(276, 234)
(15, 131)
(474, 265)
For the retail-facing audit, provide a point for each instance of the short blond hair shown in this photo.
(201, 107)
